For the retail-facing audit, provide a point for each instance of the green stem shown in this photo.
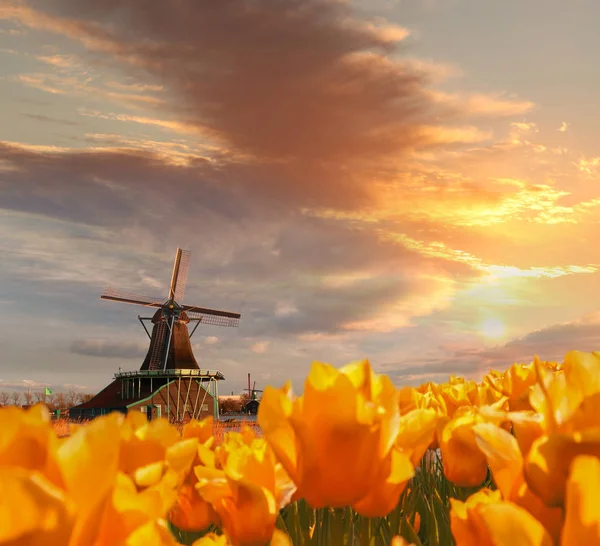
(337, 527)
(366, 530)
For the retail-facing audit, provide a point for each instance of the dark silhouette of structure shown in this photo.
(169, 381)
(251, 406)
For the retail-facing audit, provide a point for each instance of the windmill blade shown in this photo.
(158, 345)
(214, 320)
(127, 297)
(207, 311)
(181, 280)
(179, 276)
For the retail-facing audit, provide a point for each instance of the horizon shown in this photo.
(412, 182)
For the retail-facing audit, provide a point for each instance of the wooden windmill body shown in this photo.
(169, 382)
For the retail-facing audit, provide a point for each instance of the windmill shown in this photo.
(252, 405)
(169, 364)
(170, 346)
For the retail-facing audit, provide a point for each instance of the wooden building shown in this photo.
(169, 382)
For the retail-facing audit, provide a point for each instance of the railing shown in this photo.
(209, 374)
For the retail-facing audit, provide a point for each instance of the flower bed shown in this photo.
(513, 460)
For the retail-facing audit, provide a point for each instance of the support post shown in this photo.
(196, 402)
(189, 384)
(216, 398)
(170, 326)
(197, 324)
(168, 400)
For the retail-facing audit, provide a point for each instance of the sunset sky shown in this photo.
(416, 182)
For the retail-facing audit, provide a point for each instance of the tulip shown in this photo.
(582, 521)
(485, 519)
(351, 412)
(245, 486)
(33, 511)
(464, 463)
(505, 460)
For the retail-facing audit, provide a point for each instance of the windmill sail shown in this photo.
(181, 281)
(158, 345)
(213, 320)
(170, 346)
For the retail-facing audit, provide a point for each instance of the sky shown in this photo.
(416, 182)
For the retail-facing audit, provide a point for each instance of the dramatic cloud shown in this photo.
(333, 187)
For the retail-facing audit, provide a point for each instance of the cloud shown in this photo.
(108, 349)
(484, 105)
(342, 99)
(563, 127)
(551, 343)
(260, 347)
(50, 119)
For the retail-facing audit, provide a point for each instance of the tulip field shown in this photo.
(513, 460)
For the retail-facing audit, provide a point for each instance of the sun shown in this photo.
(492, 328)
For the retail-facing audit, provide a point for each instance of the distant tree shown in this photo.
(232, 405)
(4, 398)
(39, 396)
(59, 401)
(49, 401)
(16, 398)
(28, 398)
(71, 399)
(84, 397)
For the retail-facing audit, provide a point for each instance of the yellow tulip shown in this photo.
(155, 533)
(502, 452)
(569, 401)
(393, 476)
(464, 463)
(122, 474)
(190, 511)
(28, 441)
(416, 433)
(486, 520)
(212, 539)
(400, 541)
(582, 371)
(245, 486)
(33, 511)
(515, 383)
(582, 521)
(351, 412)
(547, 464)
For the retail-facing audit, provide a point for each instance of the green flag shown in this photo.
(48, 391)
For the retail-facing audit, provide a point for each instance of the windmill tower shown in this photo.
(251, 406)
(169, 379)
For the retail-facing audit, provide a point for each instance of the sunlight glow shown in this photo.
(492, 328)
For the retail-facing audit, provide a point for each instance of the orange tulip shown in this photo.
(212, 539)
(582, 522)
(464, 463)
(351, 412)
(245, 486)
(33, 511)
(569, 400)
(190, 511)
(502, 452)
(485, 519)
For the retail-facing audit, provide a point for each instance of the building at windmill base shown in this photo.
(169, 383)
